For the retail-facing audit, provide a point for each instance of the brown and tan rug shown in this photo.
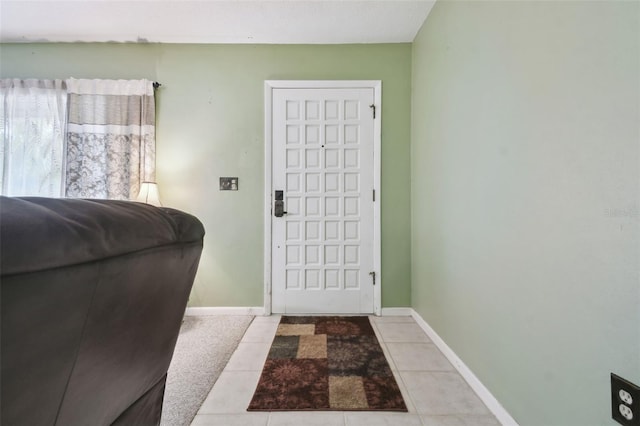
(326, 363)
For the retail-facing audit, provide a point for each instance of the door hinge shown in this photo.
(373, 107)
(374, 195)
(373, 276)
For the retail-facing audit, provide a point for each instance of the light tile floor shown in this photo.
(435, 394)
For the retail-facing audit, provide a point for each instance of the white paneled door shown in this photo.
(322, 218)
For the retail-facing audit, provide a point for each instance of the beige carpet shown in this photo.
(204, 346)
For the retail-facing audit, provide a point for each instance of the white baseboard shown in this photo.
(483, 393)
(225, 310)
(397, 312)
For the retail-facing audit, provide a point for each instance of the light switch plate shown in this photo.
(228, 184)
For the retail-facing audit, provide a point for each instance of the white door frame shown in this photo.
(269, 85)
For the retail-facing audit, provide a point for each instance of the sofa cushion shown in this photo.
(42, 233)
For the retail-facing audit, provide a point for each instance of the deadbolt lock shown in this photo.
(278, 207)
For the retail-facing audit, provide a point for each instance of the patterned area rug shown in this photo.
(326, 363)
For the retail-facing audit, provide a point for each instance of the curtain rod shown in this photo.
(156, 84)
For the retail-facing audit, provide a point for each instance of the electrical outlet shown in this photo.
(625, 411)
(625, 401)
(625, 397)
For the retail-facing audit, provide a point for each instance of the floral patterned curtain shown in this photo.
(110, 140)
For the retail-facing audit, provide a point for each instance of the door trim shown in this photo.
(269, 86)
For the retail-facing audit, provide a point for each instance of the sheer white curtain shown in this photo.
(32, 137)
(110, 138)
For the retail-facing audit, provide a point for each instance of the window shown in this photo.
(32, 133)
(101, 146)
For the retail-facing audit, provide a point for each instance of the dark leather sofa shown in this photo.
(92, 297)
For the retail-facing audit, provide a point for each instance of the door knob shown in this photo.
(279, 209)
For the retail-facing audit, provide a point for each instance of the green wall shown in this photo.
(211, 124)
(525, 199)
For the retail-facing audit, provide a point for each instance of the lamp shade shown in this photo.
(149, 194)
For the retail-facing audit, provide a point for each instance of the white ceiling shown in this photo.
(212, 21)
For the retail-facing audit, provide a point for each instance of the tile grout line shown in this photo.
(275, 331)
(398, 376)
